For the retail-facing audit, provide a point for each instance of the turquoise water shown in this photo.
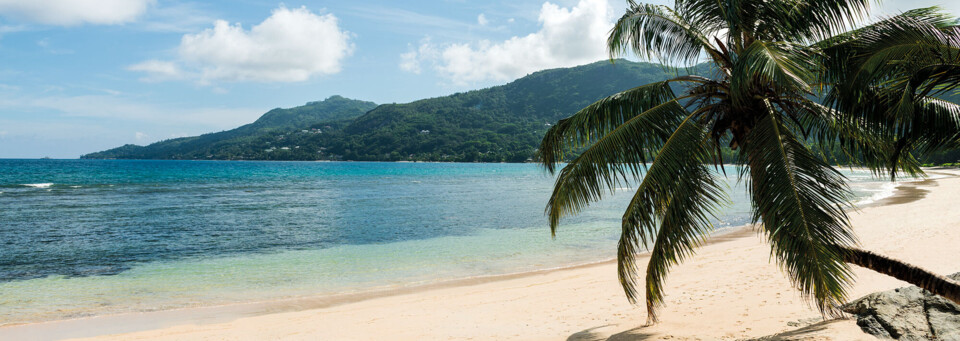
(91, 237)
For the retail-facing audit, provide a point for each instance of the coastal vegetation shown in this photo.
(498, 124)
(250, 141)
(788, 82)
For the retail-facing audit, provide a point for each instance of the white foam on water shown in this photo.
(935, 176)
(885, 191)
(888, 189)
(40, 185)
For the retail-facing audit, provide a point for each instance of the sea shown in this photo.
(83, 238)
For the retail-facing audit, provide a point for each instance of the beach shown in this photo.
(730, 290)
(579, 170)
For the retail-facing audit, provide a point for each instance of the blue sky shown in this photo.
(79, 76)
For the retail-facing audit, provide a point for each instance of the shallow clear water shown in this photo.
(88, 237)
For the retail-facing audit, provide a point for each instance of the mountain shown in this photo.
(232, 144)
(497, 124)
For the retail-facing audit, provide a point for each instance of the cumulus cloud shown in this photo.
(566, 37)
(289, 46)
(75, 12)
(482, 20)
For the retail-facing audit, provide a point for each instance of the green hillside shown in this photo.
(497, 124)
(237, 143)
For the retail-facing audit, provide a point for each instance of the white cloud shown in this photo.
(289, 46)
(482, 20)
(410, 60)
(567, 37)
(75, 12)
(140, 136)
(158, 70)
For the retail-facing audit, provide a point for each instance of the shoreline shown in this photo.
(90, 326)
(906, 192)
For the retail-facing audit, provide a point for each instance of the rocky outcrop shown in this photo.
(908, 313)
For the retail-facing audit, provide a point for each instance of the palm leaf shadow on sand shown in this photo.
(593, 334)
(637, 334)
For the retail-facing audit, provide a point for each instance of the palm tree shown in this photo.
(762, 98)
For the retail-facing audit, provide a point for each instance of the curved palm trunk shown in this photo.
(922, 278)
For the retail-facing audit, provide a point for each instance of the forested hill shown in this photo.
(502, 123)
(237, 143)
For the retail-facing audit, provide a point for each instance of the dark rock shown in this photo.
(944, 319)
(871, 326)
(908, 313)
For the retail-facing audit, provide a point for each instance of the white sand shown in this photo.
(730, 290)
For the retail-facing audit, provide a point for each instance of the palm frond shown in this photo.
(815, 20)
(785, 67)
(862, 142)
(889, 48)
(936, 125)
(659, 32)
(937, 78)
(796, 195)
(600, 118)
(614, 159)
(882, 77)
(681, 193)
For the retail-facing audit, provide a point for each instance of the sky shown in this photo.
(79, 76)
